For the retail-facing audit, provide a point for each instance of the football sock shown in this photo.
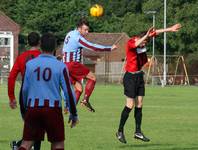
(138, 119)
(37, 145)
(59, 149)
(19, 143)
(89, 88)
(123, 118)
(78, 94)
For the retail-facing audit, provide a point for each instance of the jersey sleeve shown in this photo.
(69, 96)
(131, 43)
(12, 79)
(91, 46)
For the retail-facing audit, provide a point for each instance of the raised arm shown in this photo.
(173, 28)
(145, 37)
(96, 47)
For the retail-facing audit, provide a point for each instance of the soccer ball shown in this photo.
(96, 10)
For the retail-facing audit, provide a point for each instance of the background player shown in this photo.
(72, 51)
(19, 67)
(41, 95)
(133, 80)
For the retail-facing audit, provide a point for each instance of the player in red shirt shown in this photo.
(133, 81)
(19, 67)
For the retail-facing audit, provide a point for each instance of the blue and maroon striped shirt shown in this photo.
(44, 78)
(73, 44)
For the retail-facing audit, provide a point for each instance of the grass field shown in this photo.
(170, 119)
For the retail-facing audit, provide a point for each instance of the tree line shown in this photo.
(60, 16)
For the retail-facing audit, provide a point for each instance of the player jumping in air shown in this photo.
(133, 81)
(72, 54)
(19, 67)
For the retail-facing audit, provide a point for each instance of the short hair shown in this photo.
(33, 39)
(143, 33)
(48, 42)
(81, 22)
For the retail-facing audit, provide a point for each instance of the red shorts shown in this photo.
(77, 71)
(44, 119)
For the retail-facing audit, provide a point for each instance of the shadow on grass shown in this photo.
(160, 146)
(4, 141)
(143, 145)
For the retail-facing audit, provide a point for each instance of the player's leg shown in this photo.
(138, 120)
(124, 116)
(22, 111)
(138, 113)
(89, 87)
(37, 145)
(138, 110)
(26, 145)
(129, 83)
(78, 90)
(57, 145)
(54, 126)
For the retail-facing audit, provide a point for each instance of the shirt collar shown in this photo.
(47, 55)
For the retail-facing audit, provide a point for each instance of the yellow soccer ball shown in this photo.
(96, 10)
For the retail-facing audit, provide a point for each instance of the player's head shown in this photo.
(83, 26)
(48, 43)
(33, 39)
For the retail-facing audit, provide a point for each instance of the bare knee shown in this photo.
(130, 102)
(139, 102)
(78, 86)
(57, 145)
(27, 144)
(91, 76)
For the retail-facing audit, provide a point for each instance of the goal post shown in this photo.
(7, 41)
(175, 68)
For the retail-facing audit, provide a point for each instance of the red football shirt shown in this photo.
(134, 61)
(19, 66)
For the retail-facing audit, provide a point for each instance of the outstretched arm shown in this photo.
(173, 28)
(139, 41)
(96, 47)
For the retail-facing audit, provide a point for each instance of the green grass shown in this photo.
(169, 119)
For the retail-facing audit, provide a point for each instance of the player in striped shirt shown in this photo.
(72, 54)
(44, 77)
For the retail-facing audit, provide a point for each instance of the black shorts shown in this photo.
(134, 84)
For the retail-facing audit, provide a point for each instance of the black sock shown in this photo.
(37, 145)
(138, 119)
(19, 143)
(123, 118)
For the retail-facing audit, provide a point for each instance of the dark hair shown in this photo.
(81, 22)
(143, 33)
(48, 42)
(33, 39)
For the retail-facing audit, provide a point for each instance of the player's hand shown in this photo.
(13, 104)
(73, 120)
(114, 47)
(66, 111)
(150, 31)
(175, 27)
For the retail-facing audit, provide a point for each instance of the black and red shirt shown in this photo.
(135, 59)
